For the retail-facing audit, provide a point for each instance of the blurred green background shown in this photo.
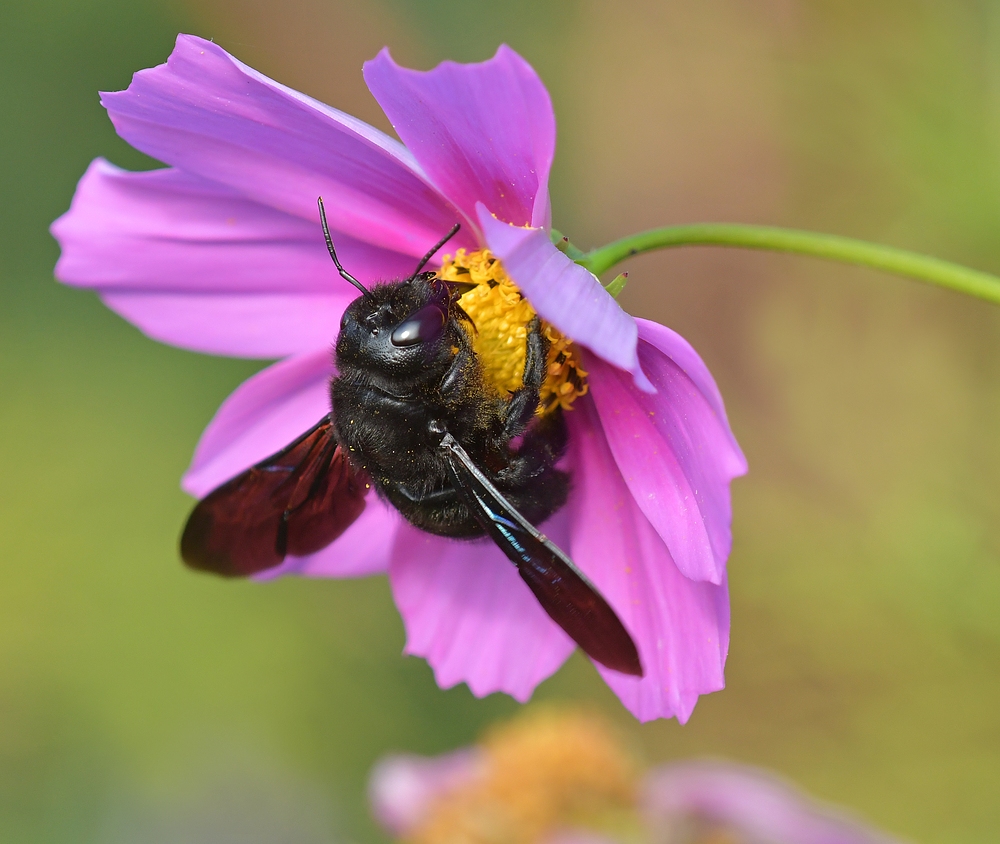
(141, 703)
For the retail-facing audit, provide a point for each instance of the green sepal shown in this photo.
(561, 242)
(617, 284)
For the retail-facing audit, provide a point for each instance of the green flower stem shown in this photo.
(836, 248)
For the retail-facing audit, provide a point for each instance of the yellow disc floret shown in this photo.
(501, 316)
(545, 771)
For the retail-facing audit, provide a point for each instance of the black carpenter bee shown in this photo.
(414, 418)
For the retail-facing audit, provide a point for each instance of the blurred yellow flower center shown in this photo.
(545, 771)
(501, 316)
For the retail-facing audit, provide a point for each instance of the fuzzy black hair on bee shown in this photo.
(414, 417)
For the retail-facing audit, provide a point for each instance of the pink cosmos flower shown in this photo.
(567, 779)
(746, 804)
(222, 253)
(693, 802)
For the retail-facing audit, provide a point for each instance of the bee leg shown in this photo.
(524, 401)
(542, 446)
(531, 480)
(459, 375)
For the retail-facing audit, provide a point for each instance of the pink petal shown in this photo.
(680, 626)
(565, 294)
(403, 787)
(263, 415)
(266, 326)
(210, 115)
(676, 455)
(194, 264)
(749, 803)
(467, 611)
(482, 132)
(681, 352)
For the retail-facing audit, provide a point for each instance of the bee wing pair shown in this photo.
(302, 498)
(296, 501)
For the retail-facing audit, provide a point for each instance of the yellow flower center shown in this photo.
(545, 771)
(501, 316)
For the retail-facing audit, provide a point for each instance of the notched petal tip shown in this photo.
(482, 132)
(183, 44)
(471, 617)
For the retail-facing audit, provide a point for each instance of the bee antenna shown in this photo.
(434, 248)
(344, 274)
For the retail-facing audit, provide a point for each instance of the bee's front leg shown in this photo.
(461, 376)
(524, 401)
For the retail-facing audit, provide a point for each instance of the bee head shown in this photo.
(400, 326)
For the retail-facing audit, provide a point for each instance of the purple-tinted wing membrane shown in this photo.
(561, 588)
(295, 502)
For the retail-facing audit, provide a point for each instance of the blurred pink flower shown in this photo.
(402, 788)
(222, 253)
(743, 805)
(699, 802)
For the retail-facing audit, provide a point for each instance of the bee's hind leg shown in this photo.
(524, 401)
(531, 480)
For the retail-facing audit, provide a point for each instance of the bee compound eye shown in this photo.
(419, 327)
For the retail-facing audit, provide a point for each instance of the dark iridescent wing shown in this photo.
(295, 502)
(560, 587)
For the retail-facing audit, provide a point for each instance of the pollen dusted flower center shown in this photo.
(546, 770)
(501, 316)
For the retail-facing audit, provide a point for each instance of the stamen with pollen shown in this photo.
(501, 316)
